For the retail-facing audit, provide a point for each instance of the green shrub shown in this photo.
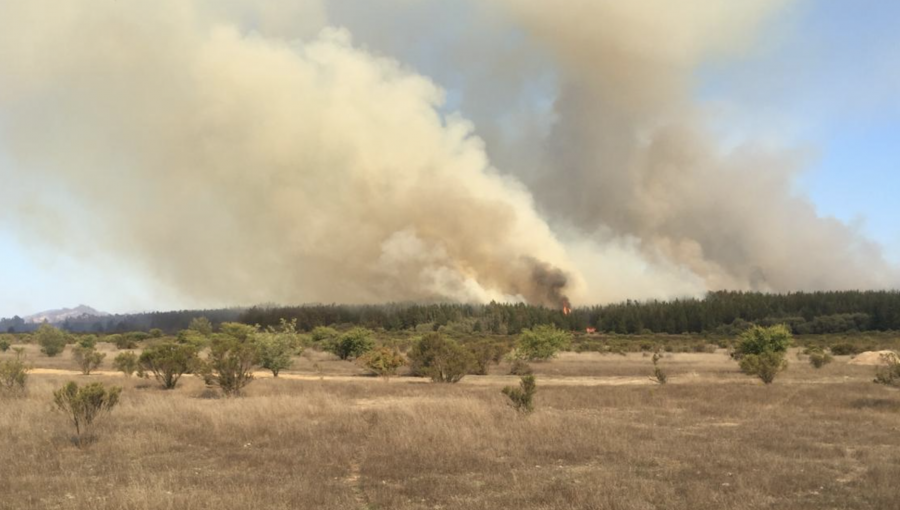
(485, 353)
(127, 363)
(84, 405)
(522, 398)
(88, 358)
(4, 344)
(758, 340)
(14, 373)
(765, 366)
(441, 359)
(352, 344)
(659, 375)
(889, 373)
(87, 341)
(324, 335)
(382, 361)
(232, 355)
(845, 349)
(542, 342)
(818, 358)
(201, 325)
(122, 341)
(156, 333)
(277, 346)
(520, 367)
(193, 338)
(51, 340)
(168, 361)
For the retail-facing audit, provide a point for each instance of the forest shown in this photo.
(723, 312)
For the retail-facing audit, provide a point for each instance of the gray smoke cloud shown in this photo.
(299, 151)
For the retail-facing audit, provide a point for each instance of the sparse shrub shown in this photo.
(818, 358)
(84, 405)
(441, 359)
(232, 356)
(168, 361)
(127, 363)
(765, 366)
(519, 367)
(659, 375)
(87, 341)
(352, 344)
(889, 373)
(382, 361)
(191, 337)
(201, 325)
(845, 349)
(51, 340)
(323, 335)
(522, 398)
(484, 353)
(88, 358)
(122, 341)
(277, 346)
(761, 351)
(542, 343)
(14, 373)
(758, 340)
(4, 344)
(156, 333)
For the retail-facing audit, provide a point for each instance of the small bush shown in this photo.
(14, 374)
(51, 340)
(88, 358)
(127, 363)
(520, 367)
(485, 353)
(542, 343)
(441, 359)
(156, 333)
(758, 340)
(4, 344)
(845, 349)
(382, 361)
(277, 346)
(87, 341)
(889, 374)
(232, 356)
(522, 398)
(168, 361)
(659, 375)
(201, 325)
(819, 358)
(352, 344)
(84, 405)
(765, 366)
(122, 341)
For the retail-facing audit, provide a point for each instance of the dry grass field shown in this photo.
(602, 437)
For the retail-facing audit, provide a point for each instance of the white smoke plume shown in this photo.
(242, 154)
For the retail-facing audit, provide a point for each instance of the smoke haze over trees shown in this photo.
(300, 152)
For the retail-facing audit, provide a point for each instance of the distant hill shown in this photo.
(61, 315)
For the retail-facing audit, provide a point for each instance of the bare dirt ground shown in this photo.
(603, 436)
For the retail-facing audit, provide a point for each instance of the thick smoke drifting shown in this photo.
(241, 154)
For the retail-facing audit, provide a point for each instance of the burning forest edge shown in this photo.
(718, 312)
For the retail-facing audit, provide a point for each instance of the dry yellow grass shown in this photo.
(711, 439)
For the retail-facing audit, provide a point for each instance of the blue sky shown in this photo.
(827, 81)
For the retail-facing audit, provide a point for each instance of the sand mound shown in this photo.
(871, 358)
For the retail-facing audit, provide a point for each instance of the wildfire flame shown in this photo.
(566, 307)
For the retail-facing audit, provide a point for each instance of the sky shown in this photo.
(825, 81)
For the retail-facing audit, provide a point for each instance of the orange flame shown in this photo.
(566, 307)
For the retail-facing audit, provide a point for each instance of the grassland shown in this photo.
(603, 436)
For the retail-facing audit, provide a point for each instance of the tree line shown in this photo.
(723, 312)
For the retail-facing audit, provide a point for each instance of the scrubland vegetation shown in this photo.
(238, 416)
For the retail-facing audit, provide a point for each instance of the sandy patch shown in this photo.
(872, 358)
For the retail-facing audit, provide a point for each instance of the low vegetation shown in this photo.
(127, 363)
(440, 358)
(13, 374)
(277, 346)
(659, 375)
(542, 343)
(351, 344)
(761, 351)
(168, 361)
(819, 357)
(52, 340)
(522, 398)
(84, 405)
(87, 358)
(889, 373)
(232, 355)
(382, 361)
